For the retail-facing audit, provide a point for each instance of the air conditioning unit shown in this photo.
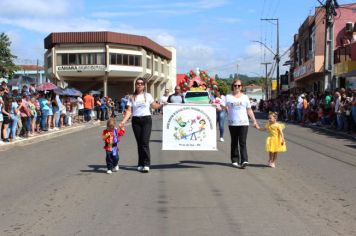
(349, 27)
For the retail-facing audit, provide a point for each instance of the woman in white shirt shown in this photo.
(140, 105)
(239, 108)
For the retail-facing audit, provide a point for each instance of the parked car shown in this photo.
(197, 97)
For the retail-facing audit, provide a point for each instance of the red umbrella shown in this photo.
(46, 86)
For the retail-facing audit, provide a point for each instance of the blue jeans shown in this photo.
(111, 160)
(339, 121)
(44, 116)
(87, 114)
(11, 130)
(220, 116)
(300, 114)
(57, 113)
(353, 111)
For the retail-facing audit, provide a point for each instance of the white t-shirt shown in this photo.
(236, 107)
(80, 103)
(140, 107)
(163, 99)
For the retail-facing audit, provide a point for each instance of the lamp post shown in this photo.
(237, 70)
(276, 55)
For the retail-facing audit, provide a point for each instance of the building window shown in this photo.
(131, 60)
(119, 59)
(64, 60)
(125, 59)
(71, 59)
(156, 65)
(148, 63)
(137, 60)
(100, 59)
(162, 68)
(113, 59)
(49, 62)
(81, 59)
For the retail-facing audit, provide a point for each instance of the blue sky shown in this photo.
(215, 35)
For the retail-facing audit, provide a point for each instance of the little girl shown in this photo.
(275, 141)
(111, 136)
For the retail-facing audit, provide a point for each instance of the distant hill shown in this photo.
(246, 80)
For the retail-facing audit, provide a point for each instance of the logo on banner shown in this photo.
(189, 124)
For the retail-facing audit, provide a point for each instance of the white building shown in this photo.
(109, 62)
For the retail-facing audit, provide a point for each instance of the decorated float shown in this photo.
(197, 81)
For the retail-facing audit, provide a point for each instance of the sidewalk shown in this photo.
(331, 131)
(50, 134)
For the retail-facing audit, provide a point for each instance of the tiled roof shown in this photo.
(253, 86)
(30, 67)
(106, 37)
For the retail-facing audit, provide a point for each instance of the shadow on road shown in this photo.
(157, 130)
(351, 146)
(155, 141)
(102, 168)
(96, 169)
(222, 164)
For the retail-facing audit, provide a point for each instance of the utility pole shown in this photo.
(37, 75)
(276, 57)
(266, 82)
(330, 6)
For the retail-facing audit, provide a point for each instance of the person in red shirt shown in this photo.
(111, 137)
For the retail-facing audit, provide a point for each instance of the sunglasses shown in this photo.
(140, 83)
(237, 85)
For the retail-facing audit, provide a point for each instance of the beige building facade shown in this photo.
(109, 62)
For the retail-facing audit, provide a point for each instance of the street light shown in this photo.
(276, 55)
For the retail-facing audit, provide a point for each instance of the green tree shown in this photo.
(7, 65)
(223, 86)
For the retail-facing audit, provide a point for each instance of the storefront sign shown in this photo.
(305, 69)
(189, 127)
(274, 85)
(80, 68)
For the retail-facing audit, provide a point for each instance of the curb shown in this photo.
(47, 136)
(330, 131)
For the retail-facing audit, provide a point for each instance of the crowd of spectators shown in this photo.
(334, 110)
(28, 112)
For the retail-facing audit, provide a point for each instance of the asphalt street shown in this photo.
(59, 187)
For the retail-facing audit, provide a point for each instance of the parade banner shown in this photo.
(189, 127)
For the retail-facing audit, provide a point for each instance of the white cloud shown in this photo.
(169, 9)
(207, 4)
(35, 8)
(58, 25)
(166, 39)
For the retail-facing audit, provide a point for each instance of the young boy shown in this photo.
(111, 136)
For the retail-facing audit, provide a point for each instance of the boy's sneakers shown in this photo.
(139, 168)
(221, 139)
(244, 164)
(109, 172)
(146, 169)
(235, 164)
(116, 168)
